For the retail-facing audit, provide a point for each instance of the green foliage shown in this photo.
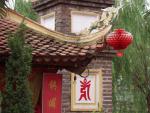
(17, 97)
(131, 76)
(25, 8)
(2, 8)
(2, 3)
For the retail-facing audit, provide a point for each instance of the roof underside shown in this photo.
(43, 4)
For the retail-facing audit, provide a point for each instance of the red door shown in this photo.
(51, 93)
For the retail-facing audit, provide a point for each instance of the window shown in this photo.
(48, 21)
(82, 20)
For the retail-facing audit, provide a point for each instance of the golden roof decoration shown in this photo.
(107, 17)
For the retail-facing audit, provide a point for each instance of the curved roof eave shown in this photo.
(80, 40)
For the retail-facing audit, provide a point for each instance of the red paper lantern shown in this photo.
(119, 40)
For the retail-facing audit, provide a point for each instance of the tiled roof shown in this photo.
(42, 45)
(46, 49)
(88, 39)
(51, 48)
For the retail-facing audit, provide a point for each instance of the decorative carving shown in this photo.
(107, 17)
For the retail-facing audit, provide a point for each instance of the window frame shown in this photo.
(90, 13)
(46, 16)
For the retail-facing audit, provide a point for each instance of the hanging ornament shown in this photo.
(119, 40)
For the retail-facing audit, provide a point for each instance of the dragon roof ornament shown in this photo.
(107, 17)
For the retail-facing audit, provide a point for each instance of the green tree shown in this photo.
(25, 8)
(2, 8)
(17, 96)
(131, 76)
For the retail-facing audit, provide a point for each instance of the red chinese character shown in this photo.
(85, 89)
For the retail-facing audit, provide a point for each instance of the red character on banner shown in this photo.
(85, 89)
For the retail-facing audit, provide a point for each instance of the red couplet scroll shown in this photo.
(51, 93)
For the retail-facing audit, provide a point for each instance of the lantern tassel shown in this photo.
(119, 54)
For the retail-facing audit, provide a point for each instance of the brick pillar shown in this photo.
(63, 20)
(104, 63)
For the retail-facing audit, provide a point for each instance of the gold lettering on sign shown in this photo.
(52, 103)
(53, 85)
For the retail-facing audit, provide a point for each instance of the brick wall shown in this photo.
(104, 63)
(63, 11)
(63, 15)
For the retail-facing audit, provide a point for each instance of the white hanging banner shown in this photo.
(86, 91)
